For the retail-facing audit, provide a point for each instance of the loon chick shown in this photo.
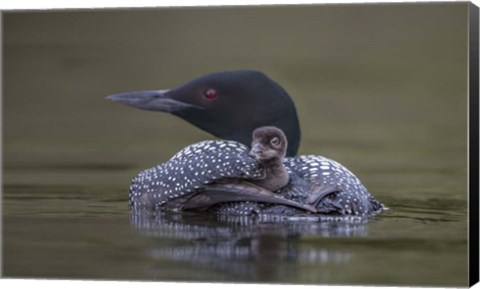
(231, 104)
(204, 174)
(269, 145)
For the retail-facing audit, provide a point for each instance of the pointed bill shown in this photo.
(155, 100)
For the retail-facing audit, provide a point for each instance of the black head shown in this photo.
(268, 142)
(229, 105)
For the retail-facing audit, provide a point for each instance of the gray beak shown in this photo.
(256, 150)
(156, 100)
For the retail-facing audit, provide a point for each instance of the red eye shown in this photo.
(210, 94)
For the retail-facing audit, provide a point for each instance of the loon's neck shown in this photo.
(276, 175)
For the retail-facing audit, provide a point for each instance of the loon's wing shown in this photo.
(335, 189)
(319, 191)
(192, 169)
(238, 190)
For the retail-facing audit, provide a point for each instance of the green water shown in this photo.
(379, 88)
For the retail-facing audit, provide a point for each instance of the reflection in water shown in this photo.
(247, 247)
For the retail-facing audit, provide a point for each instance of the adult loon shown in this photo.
(232, 104)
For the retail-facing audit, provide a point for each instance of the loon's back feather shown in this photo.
(199, 165)
(191, 169)
(351, 196)
(309, 174)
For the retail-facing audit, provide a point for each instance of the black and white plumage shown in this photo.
(316, 181)
(323, 183)
(349, 196)
(202, 175)
(192, 168)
